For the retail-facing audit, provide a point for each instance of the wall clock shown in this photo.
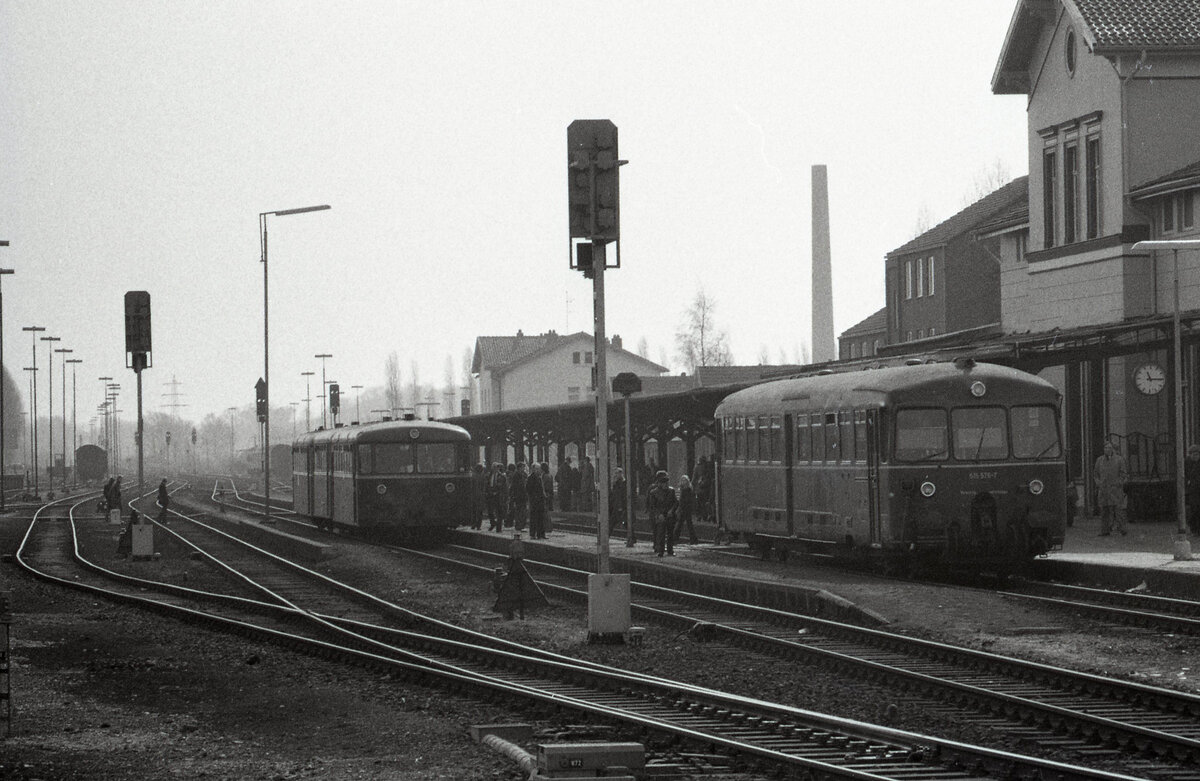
(1149, 378)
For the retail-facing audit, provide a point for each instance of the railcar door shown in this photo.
(873, 459)
(789, 430)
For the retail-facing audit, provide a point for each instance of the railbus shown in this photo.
(960, 463)
(406, 479)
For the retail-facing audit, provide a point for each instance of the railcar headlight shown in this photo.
(928, 489)
(978, 389)
(449, 488)
(1036, 487)
(381, 489)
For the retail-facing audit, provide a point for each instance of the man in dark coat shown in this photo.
(537, 505)
(518, 496)
(497, 497)
(660, 503)
(618, 507)
(164, 500)
(1191, 482)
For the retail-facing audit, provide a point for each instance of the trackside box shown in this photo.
(583, 760)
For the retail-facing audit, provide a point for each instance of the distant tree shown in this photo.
(414, 386)
(764, 355)
(924, 219)
(699, 342)
(643, 348)
(987, 180)
(449, 389)
(391, 375)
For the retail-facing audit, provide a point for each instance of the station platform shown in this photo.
(1144, 555)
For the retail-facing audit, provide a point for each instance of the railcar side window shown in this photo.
(1034, 433)
(774, 452)
(860, 435)
(831, 438)
(980, 433)
(751, 439)
(392, 458)
(437, 458)
(739, 440)
(803, 445)
(921, 434)
(364, 460)
(818, 438)
(846, 425)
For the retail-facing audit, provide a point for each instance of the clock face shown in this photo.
(1150, 378)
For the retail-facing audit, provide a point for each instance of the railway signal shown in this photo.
(137, 357)
(594, 221)
(260, 400)
(335, 399)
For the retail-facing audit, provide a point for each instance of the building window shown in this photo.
(865, 349)
(932, 331)
(587, 357)
(575, 357)
(1070, 193)
(908, 336)
(1049, 186)
(1187, 217)
(1021, 239)
(875, 348)
(920, 333)
(1069, 52)
(1092, 162)
(908, 279)
(854, 349)
(1168, 215)
(920, 277)
(572, 395)
(929, 288)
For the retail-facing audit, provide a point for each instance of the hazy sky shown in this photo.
(141, 140)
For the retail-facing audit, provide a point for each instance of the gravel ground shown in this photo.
(101, 691)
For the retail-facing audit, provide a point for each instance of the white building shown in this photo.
(542, 370)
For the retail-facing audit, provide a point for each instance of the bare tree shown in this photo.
(414, 386)
(987, 180)
(924, 219)
(391, 372)
(449, 388)
(699, 342)
(643, 348)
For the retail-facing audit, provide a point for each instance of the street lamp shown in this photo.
(64, 352)
(50, 406)
(262, 227)
(323, 356)
(357, 408)
(1183, 546)
(3, 420)
(307, 399)
(33, 451)
(74, 409)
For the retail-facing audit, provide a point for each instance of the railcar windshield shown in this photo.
(406, 458)
(980, 433)
(1034, 432)
(921, 435)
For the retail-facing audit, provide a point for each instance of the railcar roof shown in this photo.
(389, 431)
(877, 387)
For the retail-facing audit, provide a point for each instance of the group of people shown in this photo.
(1111, 476)
(515, 497)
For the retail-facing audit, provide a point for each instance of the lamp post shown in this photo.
(74, 409)
(1183, 546)
(232, 456)
(64, 352)
(357, 409)
(50, 406)
(3, 420)
(293, 405)
(323, 356)
(262, 228)
(114, 424)
(34, 330)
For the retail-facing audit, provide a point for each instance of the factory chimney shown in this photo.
(822, 274)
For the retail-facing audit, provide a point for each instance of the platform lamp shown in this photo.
(33, 448)
(34, 330)
(74, 409)
(3, 444)
(50, 405)
(64, 351)
(1183, 546)
(266, 443)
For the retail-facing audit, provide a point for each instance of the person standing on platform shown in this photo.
(687, 508)
(617, 505)
(660, 503)
(478, 495)
(518, 496)
(497, 497)
(1110, 474)
(587, 486)
(1191, 483)
(548, 487)
(564, 484)
(537, 505)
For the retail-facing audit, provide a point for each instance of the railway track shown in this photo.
(304, 609)
(1135, 609)
(1059, 708)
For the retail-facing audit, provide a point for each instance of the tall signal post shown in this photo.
(594, 206)
(138, 357)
